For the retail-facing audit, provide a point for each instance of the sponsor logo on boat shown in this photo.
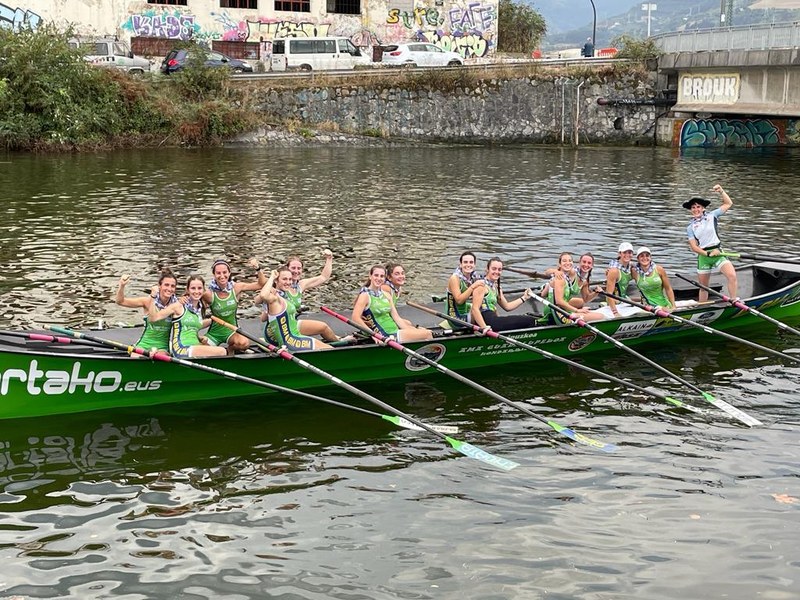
(706, 317)
(793, 298)
(581, 342)
(634, 329)
(53, 382)
(433, 352)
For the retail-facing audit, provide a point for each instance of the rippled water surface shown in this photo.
(277, 498)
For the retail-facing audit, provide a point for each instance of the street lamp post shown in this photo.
(594, 25)
(649, 7)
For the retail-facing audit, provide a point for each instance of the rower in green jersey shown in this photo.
(301, 285)
(395, 280)
(460, 286)
(565, 290)
(223, 299)
(652, 281)
(489, 295)
(282, 326)
(186, 322)
(618, 277)
(375, 310)
(156, 334)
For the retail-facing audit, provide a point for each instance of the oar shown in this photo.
(162, 356)
(579, 322)
(760, 257)
(463, 447)
(529, 273)
(740, 305)
(561, 359)
(43, 337)
(663, 313)
(573, 435)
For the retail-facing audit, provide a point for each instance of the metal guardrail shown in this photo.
(377, 71)
(750, 37)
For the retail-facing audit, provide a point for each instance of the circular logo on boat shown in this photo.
(433, 352)
(581, 342)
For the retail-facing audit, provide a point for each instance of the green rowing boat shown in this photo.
(39, 377)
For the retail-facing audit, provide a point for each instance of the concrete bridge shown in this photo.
(738, 86)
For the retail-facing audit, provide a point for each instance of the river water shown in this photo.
(277, 498)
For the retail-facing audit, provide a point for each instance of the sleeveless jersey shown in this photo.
(184, 331)
(377, 315)
(282, 329)
(225, 309)
(652, 288)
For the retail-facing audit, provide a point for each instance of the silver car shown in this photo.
(420, 54)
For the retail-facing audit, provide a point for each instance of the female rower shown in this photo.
(375, 310)
(282, 327)
(155, 335)
(652, 281)
(300, 284)
(565, 291)
(618, 276)
(187, 321)
(704, 241)
(395, 280)
(223, 299)
(488, 296)
(460, 286)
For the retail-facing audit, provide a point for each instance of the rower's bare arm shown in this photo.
(726, 199)
(665, 282)
(168, 311)
(327, 271)
(475, 310)
(696, 247)
(142, 302)
(358, 309)
(267, 292)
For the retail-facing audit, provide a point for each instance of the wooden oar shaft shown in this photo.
(528, 272)
(579, 322)
(548, 355)
(740, 305)
(473, 384)
(162, 356)
(761, 257)
(668, 315)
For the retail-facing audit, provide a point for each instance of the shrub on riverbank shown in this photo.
(51, 99)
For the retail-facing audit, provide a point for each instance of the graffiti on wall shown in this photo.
(163, 24)
(467, 29)
(736, 133)
(18, 18)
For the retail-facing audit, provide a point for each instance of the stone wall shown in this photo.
(533, 109)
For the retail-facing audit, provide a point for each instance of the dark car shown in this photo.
(175, 60)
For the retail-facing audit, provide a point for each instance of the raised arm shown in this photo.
(142, 302)
(327, 271)
(252, 286)
(727, 203)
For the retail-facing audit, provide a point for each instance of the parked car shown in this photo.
(420, 54)
(111, 53)
(175, 60)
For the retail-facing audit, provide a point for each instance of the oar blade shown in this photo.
(474, 452)
(583, 439)
(732, 411)
(406, 424)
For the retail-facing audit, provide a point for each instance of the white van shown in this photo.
(111, 53)
(316, 54)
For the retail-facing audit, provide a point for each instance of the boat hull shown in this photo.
(40, 379)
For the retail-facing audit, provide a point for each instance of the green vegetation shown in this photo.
(521, 28)
(51, 99)
(636, 48)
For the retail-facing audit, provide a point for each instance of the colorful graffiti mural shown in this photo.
(18, 18)
(736, 133)
(163, 24)
(468, 29)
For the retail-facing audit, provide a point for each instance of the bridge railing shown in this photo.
(750, 37)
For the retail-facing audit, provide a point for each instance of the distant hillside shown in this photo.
(569, 24)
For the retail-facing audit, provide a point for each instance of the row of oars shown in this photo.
(402, 419)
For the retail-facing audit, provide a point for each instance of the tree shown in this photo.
(520, 27)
